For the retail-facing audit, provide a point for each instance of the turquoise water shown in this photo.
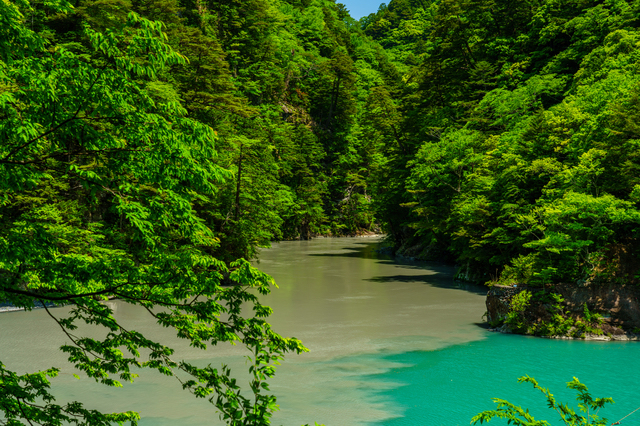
(449, 386)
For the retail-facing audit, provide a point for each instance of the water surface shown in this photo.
(450, 385)
(391, 343)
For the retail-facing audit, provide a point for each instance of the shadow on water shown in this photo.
(484, 325)
(366, 250)
(439, 279)
(440, 275)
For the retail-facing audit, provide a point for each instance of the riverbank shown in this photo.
(596, 312)
(626, 337)
(8, 307)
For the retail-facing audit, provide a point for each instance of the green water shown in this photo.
(449, 386)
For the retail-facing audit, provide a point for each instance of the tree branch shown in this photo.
(59, 125)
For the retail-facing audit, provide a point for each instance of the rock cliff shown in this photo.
(595, 311)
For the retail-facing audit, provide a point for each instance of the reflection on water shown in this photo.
(351, 307)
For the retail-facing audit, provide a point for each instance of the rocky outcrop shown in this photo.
(499, 302)
(618, 306)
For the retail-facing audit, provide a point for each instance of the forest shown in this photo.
(150, 148)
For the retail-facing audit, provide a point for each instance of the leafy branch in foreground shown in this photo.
(520, 416)
(102, 192)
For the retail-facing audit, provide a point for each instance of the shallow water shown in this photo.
(390, 344)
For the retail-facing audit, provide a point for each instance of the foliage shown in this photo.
(518, 155)
(544, 313)
(102, 187)
(518, 305)
(149, 145)
(517, 415)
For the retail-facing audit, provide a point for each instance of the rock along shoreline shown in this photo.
(8, 307)
(616, 306)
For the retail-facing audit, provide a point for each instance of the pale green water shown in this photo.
(391, 344)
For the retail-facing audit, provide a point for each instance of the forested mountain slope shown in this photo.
(147, 145)
(282, 84)
(520, 157)
(521, 118)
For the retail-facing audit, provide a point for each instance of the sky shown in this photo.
(359, 8)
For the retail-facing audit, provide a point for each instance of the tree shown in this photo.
(100, 185)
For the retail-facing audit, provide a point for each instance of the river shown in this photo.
(391, 343)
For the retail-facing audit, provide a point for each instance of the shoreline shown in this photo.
(626, 337)
(8, 307)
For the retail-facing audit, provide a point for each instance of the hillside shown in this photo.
(149, 148)
(520, 158)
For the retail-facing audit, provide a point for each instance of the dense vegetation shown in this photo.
(520, 136)
(147, 145)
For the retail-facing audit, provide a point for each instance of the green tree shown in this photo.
(100, 188)
(517, 125)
